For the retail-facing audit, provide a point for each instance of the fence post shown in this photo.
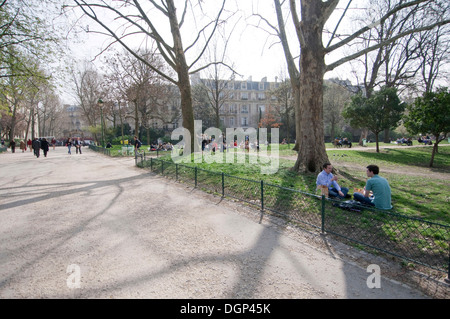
(323, 213)
(195, 176)
(162, 167)
(176, 171)
(447, 280)
(223, 184)
(262, 195)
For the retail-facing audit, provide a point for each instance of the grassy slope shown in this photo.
(416, 189)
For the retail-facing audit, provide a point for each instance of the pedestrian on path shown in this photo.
(36, 144)
(137, 145)
(12, 144)
(78, 145)
(23, 146)
(69, 145)
(44, 146)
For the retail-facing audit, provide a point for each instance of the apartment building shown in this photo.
(242, 102)
(73, 122)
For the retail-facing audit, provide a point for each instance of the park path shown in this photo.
(91, 226)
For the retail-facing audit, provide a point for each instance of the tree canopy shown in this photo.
(430, 114)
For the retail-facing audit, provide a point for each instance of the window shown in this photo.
(244, 121)
(244, 96)
(244, 109)
(232, 121)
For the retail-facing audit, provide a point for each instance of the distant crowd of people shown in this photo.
(36, 144)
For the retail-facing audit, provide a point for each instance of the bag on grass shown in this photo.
(350, 205)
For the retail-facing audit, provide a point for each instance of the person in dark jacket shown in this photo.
(12, 144)
(44, 146)
(36, 144)
(78, 145)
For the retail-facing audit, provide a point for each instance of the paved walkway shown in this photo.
(90, 226)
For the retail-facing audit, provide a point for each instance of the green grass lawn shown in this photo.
(417, 190)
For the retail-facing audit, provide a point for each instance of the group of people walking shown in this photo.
(35, 145)
(377, 191)
(76, 142)
(38, 144)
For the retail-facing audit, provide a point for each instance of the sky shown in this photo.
(254, 53)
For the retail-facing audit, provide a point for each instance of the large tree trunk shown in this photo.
(182, 70)
(386, 136)
(298, 115)
(312, 153)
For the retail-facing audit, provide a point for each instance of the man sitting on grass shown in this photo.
(379, 186)
(327, 179)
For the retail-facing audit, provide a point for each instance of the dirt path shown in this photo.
(90, 226)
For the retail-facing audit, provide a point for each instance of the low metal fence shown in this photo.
(127, 150)
(99, 149)
(412, 239)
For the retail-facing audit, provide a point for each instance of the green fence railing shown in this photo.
(412, 239)
(100, 149)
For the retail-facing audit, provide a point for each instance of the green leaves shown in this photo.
(429, 114)
(383, 110)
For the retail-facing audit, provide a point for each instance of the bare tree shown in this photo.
(283, 105)
(88, 90)
(434, 54)
(310, 29)
(148, 18)
(279, 31)
(334, 99)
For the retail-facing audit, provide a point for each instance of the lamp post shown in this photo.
(100, 104)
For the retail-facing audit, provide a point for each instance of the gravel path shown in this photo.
(130, 234)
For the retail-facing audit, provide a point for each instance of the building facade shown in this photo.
(242, 102)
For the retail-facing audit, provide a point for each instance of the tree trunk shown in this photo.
(182, 70)
(386, 135)
(298, 116)
(377, 141)
(312, 153)
(435, 146)
(136, 118)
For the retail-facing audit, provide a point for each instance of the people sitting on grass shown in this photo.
(377, 191)
(425, 140)
(404, 140)
(346, 142)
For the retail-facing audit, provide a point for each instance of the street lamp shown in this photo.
(100, 104)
